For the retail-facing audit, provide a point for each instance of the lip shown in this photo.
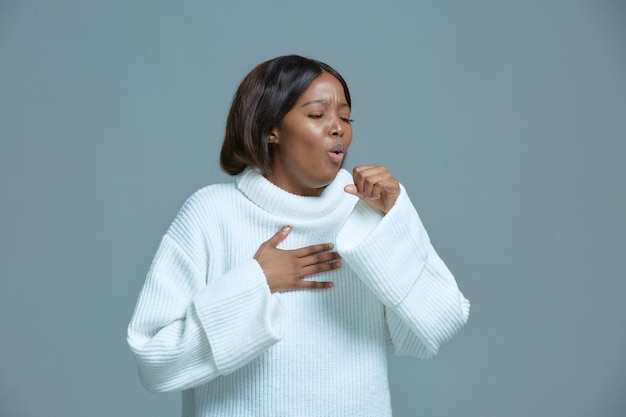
(337, 152)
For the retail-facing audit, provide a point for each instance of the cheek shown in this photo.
(299, 151)
(305, 139)
(347, 138)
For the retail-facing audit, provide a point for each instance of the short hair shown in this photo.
(260, 103)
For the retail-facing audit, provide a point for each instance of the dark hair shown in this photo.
(260, 103)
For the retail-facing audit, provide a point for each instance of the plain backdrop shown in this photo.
(505, 120)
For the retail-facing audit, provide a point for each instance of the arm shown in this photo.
(186, 329)
(393, 255)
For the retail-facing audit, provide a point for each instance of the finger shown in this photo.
(374, 185)
(319, 268)
(369, 186)
(364, 170)
(275, 240)
(314, 285)
(368, 190)
(352, 189)
(374, 192)
(319, 258)
(359, 175)
(389, 185)
(361, 169)
(312, 250)
(365, 176)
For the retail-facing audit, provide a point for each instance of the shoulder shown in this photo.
(209, 194)
(200, 209)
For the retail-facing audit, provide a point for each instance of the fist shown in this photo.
(374, 185)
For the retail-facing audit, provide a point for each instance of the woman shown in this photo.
(281, 293)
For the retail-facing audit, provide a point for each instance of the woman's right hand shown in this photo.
(284, 269)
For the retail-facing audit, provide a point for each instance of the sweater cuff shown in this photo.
(387, 252)
(361, 222)
(240, 316)
(434, 309)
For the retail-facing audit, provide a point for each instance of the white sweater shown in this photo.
(206, 322)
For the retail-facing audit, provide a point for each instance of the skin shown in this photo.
(318, 122)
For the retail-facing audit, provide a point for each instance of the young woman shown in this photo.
(281, 293)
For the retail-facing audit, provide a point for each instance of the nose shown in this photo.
(336, 129)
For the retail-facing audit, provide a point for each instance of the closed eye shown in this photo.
(316, 115)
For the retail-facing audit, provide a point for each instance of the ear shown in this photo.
(273, 137)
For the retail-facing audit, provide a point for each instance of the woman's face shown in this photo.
(311, 141)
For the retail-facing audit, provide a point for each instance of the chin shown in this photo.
(327, 179)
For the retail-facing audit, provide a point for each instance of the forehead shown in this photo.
(324, 87)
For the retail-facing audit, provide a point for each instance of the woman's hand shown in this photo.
(284, 269)
(375, 185)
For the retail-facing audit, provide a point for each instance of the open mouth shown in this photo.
(337, 153)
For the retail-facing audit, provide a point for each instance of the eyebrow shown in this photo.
(323, 101)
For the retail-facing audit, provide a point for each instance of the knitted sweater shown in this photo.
(207, 324)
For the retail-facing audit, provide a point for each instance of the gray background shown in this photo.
(506, 121)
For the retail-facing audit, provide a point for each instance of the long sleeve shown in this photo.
(393, 256)
(190, 326)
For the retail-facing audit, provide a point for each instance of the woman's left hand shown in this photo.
(375, 185)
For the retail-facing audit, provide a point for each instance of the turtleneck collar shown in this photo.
(279, 202)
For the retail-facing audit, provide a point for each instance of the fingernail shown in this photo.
(286, 229)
